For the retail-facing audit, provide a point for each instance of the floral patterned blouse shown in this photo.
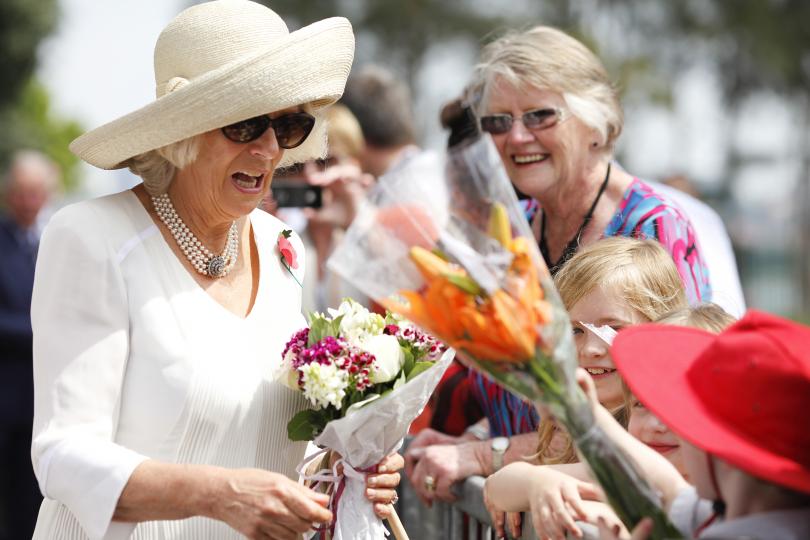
(642, 213)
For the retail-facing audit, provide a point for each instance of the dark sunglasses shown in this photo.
(498, 124)
(291, 129)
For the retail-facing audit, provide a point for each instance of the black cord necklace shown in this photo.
(573, 244)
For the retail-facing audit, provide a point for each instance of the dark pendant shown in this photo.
(216, 266)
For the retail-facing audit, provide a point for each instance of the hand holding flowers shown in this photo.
(360, 372)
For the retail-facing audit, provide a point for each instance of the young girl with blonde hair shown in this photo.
(606, 286)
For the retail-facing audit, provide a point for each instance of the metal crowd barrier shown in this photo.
(465, 519)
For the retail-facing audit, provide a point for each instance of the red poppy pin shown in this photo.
(288, 254)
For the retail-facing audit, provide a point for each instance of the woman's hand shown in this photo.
(381, 487)
(262, 504)
(440, 466)
(344, 189)
(426, 437)
(555, 500)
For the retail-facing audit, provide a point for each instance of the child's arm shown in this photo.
(660, 473)
(554, 498)
(577, 470)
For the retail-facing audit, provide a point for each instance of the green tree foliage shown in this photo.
(401, 31)
(23, 24)
(25, 111)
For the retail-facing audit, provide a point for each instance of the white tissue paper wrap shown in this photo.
(366, 436)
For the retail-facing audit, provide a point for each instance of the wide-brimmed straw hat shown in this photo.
(740, 395)
(224, 61)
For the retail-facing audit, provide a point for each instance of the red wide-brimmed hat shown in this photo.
(742, 395)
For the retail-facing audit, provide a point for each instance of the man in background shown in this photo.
(26, 189)
(382, 105)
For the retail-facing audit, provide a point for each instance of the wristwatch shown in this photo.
(499, 446)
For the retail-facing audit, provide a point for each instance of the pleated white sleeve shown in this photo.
(81, 343)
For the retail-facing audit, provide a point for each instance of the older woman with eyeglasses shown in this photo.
(160, 313)
(549, 106)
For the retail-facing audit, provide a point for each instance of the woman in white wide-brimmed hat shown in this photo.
(160, 313)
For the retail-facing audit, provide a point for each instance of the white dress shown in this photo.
(133, 360)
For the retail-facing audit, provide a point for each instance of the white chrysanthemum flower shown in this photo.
(388, 358)
(358, 324)
(324, 385)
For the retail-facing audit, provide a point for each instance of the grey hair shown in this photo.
(47, 170)
(549, 59)
(158, 167)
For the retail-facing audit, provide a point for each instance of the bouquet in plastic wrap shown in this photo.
(367, 377)
(449, 248)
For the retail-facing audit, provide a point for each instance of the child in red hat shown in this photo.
(736, 400)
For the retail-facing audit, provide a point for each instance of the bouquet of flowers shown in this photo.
(451, 250)
(367, 377)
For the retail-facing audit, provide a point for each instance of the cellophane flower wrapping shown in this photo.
(365, 437)
(367, 377)
(449, 248)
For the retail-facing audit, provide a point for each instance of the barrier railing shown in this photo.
(465, 519)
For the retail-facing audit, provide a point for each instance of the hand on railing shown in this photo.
(501, 519)
(434, 469)
(556, 502)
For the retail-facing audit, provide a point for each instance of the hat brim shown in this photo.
(308, 66)
(654, 360)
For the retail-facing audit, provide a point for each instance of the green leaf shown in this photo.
(368, 398)
(418, 368)
(334, 327)
(465, 283)
(306, 425)
(321, 327)
(401, 380)
(409, 362)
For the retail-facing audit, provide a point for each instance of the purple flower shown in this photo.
(421, 342)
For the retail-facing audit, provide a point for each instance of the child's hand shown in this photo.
(501, 519)
(555, 499)
(587, 385)
(640, 532)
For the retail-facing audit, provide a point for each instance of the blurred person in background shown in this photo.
(30, 183)
(714, 241)
(344, 187)
(382, 105)
(453, 409)
(554, 117)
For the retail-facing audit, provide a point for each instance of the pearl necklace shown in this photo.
(200, 257)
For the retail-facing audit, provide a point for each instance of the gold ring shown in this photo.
(430, 483)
